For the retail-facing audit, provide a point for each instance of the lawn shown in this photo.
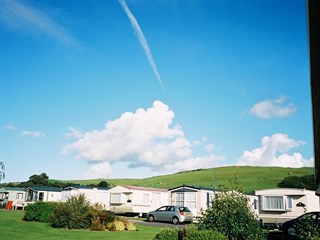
(12, 228)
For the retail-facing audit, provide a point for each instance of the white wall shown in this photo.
(94, 195)
(140, 200)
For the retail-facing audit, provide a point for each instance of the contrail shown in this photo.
(142, 40)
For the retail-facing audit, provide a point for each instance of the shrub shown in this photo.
(101, 217)
(73, 214)
(39, 211)
(193, 233)
(61, 216)
(231, 215)
(96, 225)
(116, 225)
(130, 226)
(167, 234)
(190, 233)
(121, 224)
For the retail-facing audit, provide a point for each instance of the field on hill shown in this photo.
(252, 178)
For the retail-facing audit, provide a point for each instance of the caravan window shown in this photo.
(180, 199)
(19, 195)
(115, 198)
(191, 200)
(276, 203)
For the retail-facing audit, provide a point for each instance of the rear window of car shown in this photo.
(184, 209)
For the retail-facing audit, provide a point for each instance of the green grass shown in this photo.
(12, 228)
(253, 178)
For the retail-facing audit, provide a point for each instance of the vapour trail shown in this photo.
(142, 41)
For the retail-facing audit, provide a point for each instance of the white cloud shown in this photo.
(201, 141)
(33, 134)
(274, 152)
(73, 133)
(272, 109)
(100, 170)
(209, 147)
(18, 16)
(10, 127)
(197, 162)
(145, 138)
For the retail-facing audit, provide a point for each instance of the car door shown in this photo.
(168, 213)
(159, 214)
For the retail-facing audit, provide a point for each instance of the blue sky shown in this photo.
(136, 88)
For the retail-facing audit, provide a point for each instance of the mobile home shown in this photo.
(93, 194)
(12, 198)
(136, 200)
(197, 199)
(46, 194)
(281, 204)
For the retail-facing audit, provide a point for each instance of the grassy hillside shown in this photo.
(253, 178)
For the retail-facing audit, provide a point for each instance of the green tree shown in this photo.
(231, 215)
(41, 180)
(2, 174)
(307, 182)
(103, 184)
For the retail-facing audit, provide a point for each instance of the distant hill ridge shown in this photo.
(252, 178)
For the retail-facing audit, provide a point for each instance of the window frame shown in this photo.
(285, 203)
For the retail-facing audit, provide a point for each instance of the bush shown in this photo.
(73, 214)
(190, 233)
(101, 217)
(130, 226)
(96, 225)
(196, 234)
(116, 225)
(167, 234)
(39, 211)
(231, 215)
(61, 217)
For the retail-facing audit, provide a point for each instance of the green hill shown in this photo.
(252, 178)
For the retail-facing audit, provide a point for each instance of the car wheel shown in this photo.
(151, 218)
(291, 231)
(175, 220)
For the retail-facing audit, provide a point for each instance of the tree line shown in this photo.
(43, 181)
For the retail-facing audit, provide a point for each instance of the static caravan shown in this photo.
(94, 195)
(253, 203)
(197, 199)
(12, 198)
(46, 194)
(281, 204)
(137, 200)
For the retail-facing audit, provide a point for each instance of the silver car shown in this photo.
(174, 214)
